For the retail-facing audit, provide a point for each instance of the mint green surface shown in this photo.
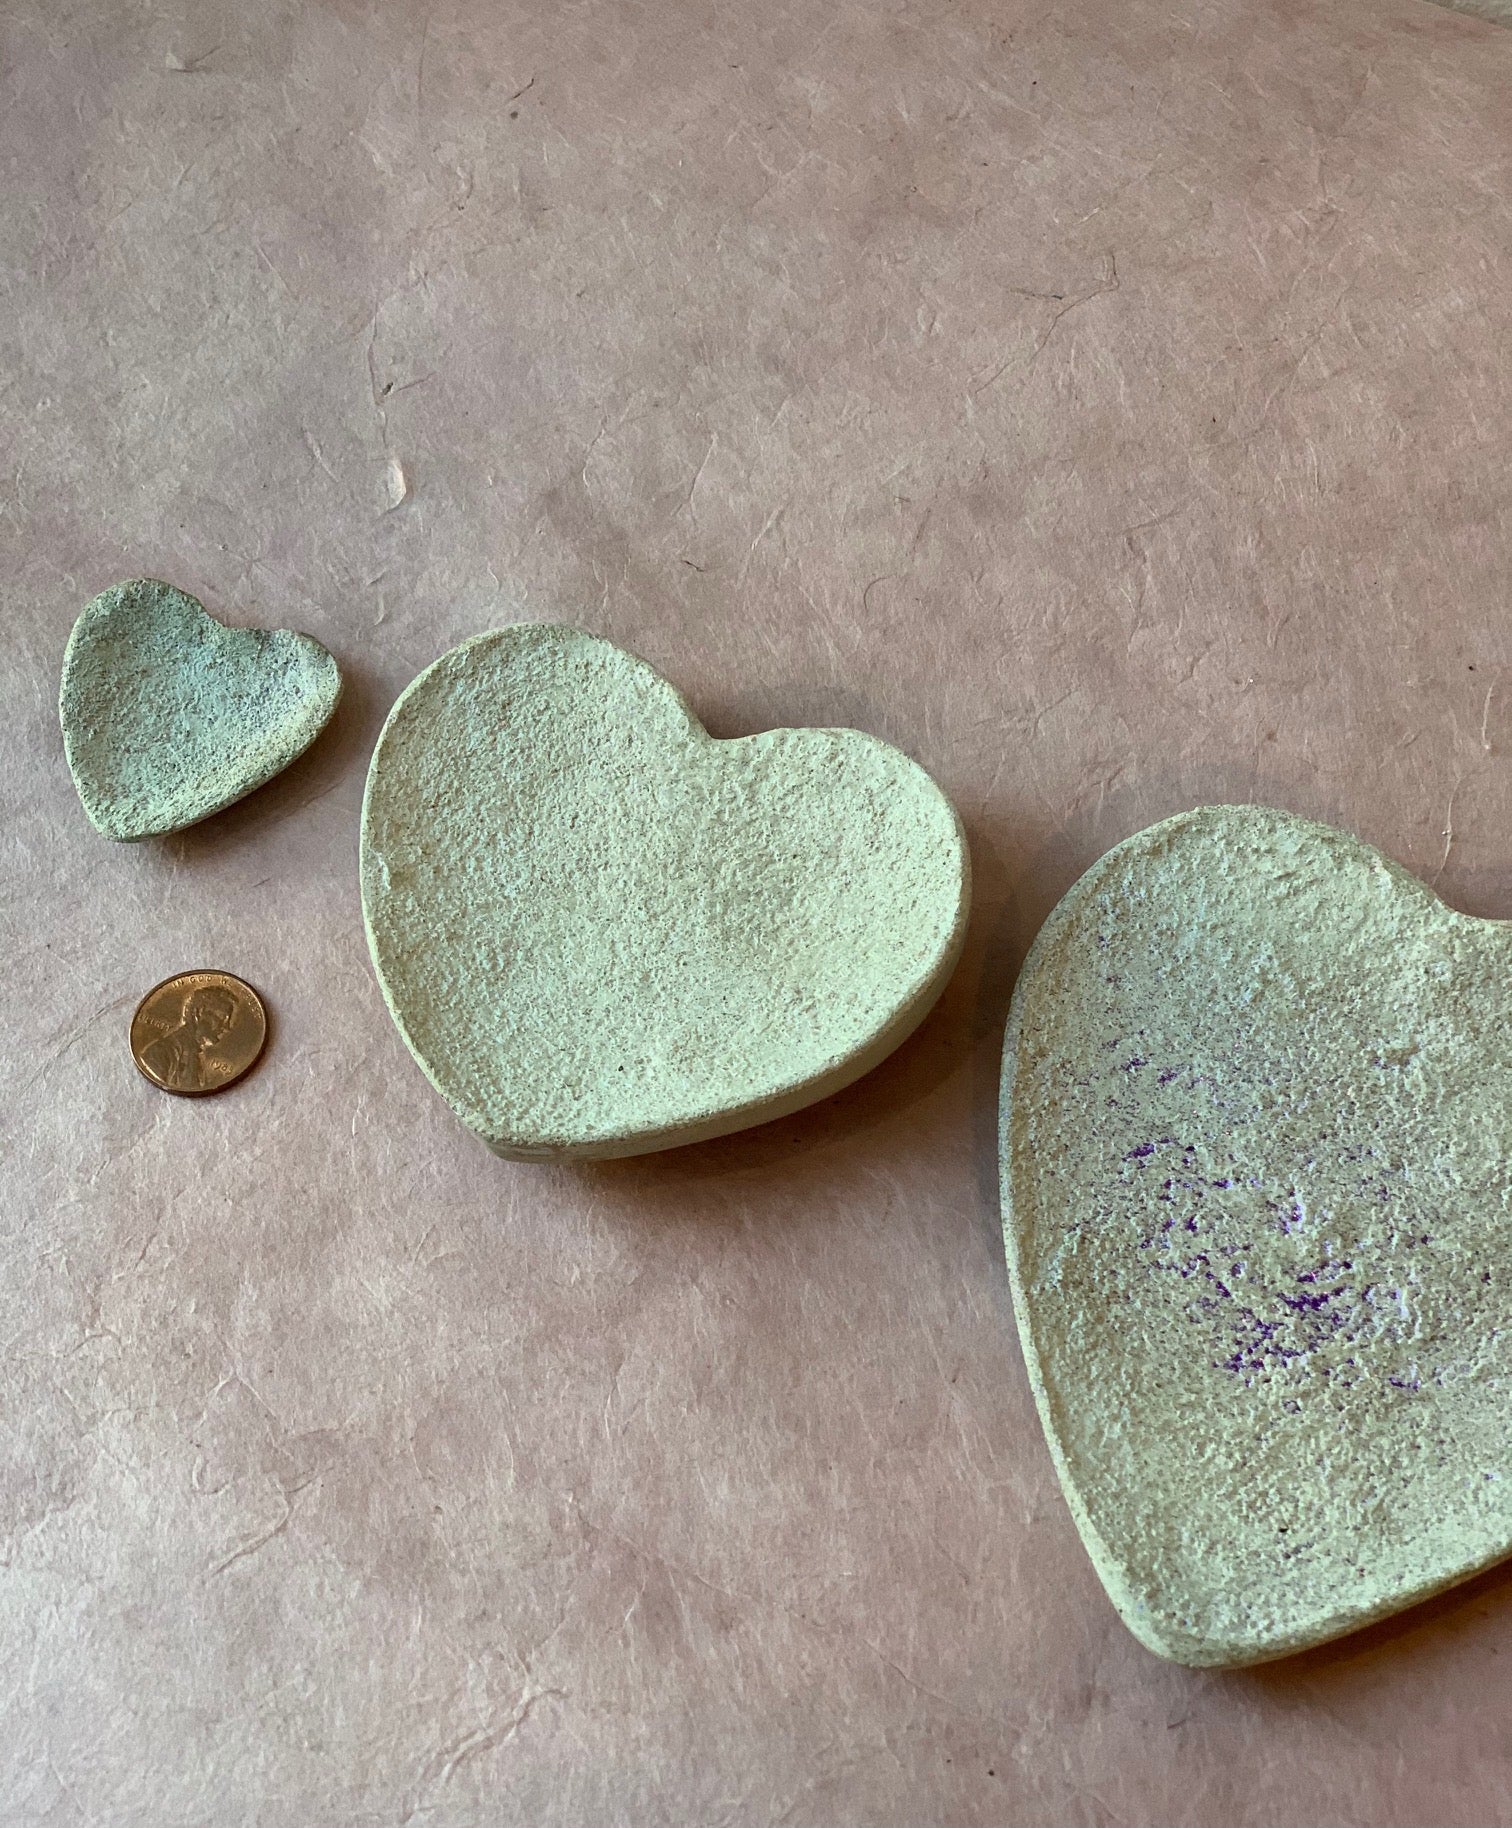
(601, 931)
(1257, 1191)
(168, 715)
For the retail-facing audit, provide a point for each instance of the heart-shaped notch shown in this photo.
(168, 715)
(602, 931)
(1257, 1197)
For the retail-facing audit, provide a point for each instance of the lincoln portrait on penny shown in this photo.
(176, 1058)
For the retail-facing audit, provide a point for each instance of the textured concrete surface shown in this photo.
(168, 716)
(1256, 1198)
(602, 931)
(1107, 404)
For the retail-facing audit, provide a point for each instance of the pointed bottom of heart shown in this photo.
(1257, 1193)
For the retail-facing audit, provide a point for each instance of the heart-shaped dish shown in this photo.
(602, 931)
(168, 715)
(1257, 1194)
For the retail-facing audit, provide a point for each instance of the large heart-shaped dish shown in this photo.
(602, 931)
(1257, 1192)
(168, 715)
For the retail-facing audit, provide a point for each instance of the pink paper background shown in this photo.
(1108, 403)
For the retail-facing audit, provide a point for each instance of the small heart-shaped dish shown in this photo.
(602, 931)
(1257, 1194)
(168, 715)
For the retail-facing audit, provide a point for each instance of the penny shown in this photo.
(198, 1032)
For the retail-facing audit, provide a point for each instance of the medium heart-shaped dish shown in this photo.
(602, 931)
(168, 715)
(1257, 1194)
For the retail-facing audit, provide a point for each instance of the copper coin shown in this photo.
(198, 1032)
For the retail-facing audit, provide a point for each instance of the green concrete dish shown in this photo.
(168, 715)
(1257, 1193)
(602, 931)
